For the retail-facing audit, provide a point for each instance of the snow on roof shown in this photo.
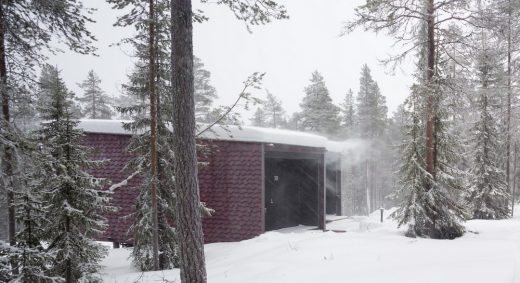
(99, 126)
(233, 133)
(265, 135)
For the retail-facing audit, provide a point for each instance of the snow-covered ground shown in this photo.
(368, 252)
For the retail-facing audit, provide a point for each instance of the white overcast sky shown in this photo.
(288, 51)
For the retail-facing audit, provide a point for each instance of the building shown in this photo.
(256, 180)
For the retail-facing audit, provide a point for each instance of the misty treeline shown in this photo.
(449, 152)
(54, 209)
(458, 140)
(368, 174)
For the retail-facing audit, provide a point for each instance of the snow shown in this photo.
(234, 133)
(369, 251)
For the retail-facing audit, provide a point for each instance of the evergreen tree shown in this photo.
(488, 192)
(420, 27)
(371, 122)
(7, 253)
(347, 113)
(274, 113)
(412, 170)
(95, 103)
(27, 28)
(371, 107)
(47, 85)
(259, 118)
(503, 22)
(75, 201)
(34, 260)
(151, 231)
(318, 113)
(429, 204)
(137, 89)
(205, 93)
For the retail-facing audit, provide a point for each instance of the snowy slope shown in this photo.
(368, 252)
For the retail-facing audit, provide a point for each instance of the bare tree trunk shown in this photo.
(8, 157)
(188, 215)
(431, 115)
(367, 187)
(515, 160)
(153, 134)
(508, 129)
(68, 268)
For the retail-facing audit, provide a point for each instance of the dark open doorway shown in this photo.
(333, 184)
(291, 192)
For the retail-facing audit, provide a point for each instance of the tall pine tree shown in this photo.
(488, 192)
(348, 114)
(95, 102)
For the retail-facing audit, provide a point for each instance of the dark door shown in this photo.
(291, 193)
(274, 195)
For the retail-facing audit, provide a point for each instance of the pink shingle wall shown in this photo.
(231, 184)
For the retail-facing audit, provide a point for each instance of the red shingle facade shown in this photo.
(232, 184)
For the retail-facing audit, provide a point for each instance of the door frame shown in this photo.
(285, 152)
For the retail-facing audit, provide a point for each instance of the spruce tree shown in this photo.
(429, 204)
(7, 253)
(412, 170)
(205, 93)
(347, 114)
(318, 113)
(274, 112)
(419, 27)
(259, 118)
(370, 123)
(33, 258)
(46, 85)
(75, 201)
(95, 103)
(488, 192)
(371, 116)
(27, 29)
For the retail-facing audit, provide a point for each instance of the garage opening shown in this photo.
(291, 192)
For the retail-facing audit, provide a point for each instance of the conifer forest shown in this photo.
(259, 141)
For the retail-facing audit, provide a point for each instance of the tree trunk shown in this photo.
(68, 268)
(8, 157)
(431, 115)
(189, 223)
(153, 134)
(509, 94)
(367, 187)
(514, 182)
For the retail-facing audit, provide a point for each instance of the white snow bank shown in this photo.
(234, 133)
(381, 255)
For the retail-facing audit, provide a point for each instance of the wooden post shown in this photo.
(514, 182)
